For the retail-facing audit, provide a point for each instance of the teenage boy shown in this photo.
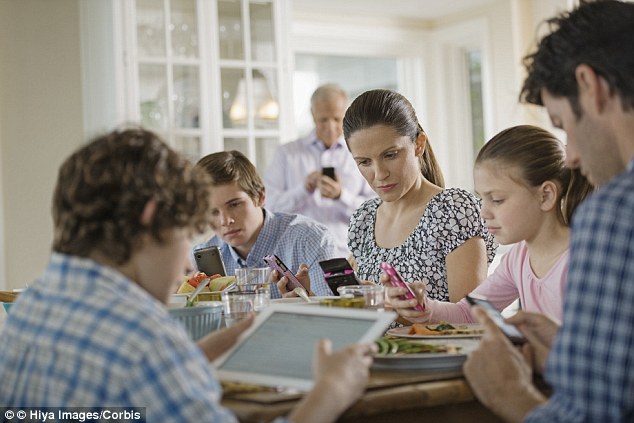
(93, 330)
(245, 231)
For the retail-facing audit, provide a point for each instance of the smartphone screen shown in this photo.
(209, 260)
(328, 171)
(338, 272)
(509, 330)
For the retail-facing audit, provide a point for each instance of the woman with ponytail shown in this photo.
(428, 233)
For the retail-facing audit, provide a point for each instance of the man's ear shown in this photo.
(262, 198)
(548, 192)
(148, 212)
(594, 91)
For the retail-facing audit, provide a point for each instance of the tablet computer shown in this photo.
(279, 348)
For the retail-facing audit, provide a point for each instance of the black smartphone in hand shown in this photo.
(329, 172)
(511, 331)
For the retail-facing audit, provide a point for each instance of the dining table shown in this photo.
(391, 396)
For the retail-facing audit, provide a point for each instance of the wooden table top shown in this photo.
(398, 395)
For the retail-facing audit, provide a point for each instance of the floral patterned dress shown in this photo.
(451, 218)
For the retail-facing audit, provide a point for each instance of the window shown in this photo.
(354, 74)
(474, 70)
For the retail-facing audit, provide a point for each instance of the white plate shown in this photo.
(432, 361)
(402, 332)
(428, 361)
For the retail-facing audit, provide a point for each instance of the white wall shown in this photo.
(40, 124)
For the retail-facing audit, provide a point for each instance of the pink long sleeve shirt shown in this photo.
(513, 278)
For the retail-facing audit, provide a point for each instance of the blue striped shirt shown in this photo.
(86, 336)
(294, 238)
(591, 365)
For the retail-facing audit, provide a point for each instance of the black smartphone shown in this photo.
(209, 260)
(511, 331)
(338, 272)
(328, 171)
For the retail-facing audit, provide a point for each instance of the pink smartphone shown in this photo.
(275, 263)
(397, 280)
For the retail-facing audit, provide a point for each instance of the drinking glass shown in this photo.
(254, 279)
(373, 295)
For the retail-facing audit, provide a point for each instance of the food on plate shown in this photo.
(191, 282)
(218, 283)
(389, 346)
(443, 328)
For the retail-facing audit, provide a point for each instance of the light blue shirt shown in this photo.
(86, 336)
(285, 177)
(295, 239)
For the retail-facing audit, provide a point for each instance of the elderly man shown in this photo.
(296, 181)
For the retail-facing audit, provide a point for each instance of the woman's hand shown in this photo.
(405, 308)
(218, 342)
(284, 285)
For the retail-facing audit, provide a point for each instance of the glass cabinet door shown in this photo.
(249, 77)
(230, 32)
(168, 67)
(205, 74)
(262, 33)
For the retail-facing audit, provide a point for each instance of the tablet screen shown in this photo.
(280, 349)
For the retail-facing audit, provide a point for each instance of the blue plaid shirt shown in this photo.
(591, 365)
(294, 238)
(86, 336)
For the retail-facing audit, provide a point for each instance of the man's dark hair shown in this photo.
(599, 34)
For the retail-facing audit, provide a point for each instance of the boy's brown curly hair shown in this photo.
(103, 187)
